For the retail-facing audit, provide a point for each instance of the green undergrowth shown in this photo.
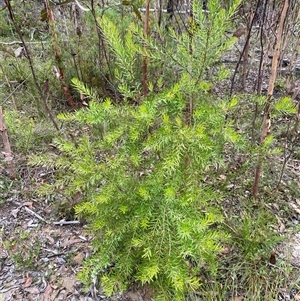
(162, 180)
(22, 249)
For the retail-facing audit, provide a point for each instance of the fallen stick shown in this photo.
(64, 222)
(34, 214)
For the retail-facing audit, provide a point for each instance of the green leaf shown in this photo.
(233, 102)
(148, 273)
(268, 141)
(205, 86)
(285, 105)
(231, 135)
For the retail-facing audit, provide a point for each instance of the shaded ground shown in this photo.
(52, 255)
(40, 254)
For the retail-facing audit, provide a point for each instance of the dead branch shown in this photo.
(34, 214)
(64, 222)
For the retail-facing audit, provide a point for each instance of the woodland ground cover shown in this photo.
(166, 150)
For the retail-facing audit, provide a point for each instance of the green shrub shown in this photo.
(146, 199)
(143, 171)
(26, 133)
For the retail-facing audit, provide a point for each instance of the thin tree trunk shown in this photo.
(145, 59)
(246, 53)
(266, 124)
(60, 74)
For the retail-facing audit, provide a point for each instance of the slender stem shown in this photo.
(145, 61)
(266, 124)
(43, 97)
(57, 54)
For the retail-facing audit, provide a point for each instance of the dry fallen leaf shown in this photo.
(28, 282)
(69, 282)
(15, 212)
(281, 225)
(47, 293)
(79, 258)
(281, 228)
(32, 290)
(222, 177)
(297, 297)
(70, 242)
(28, 204)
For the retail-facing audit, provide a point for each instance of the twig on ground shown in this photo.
(64, 222)
(34, 214)
(54, 253)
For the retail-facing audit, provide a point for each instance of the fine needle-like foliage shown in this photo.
(143, 179)
(144, 171)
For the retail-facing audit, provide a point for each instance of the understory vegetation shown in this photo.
(175, 160)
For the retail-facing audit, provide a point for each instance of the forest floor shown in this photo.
(39, 259)
(40, 253)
